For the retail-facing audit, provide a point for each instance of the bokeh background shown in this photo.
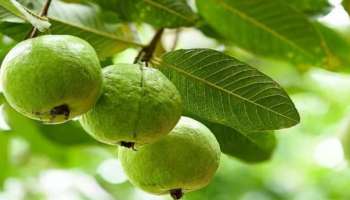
(64, 163)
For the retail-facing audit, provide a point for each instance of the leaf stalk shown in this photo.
(146, 53)
(43, 13)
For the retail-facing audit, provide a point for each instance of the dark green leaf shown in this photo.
(266, 27)
(69, 133)
(248, 147)
(5, 45)
(311, 7)
(346, 5)
(4, 138)
(223, 90)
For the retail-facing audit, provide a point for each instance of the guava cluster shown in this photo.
(55, 78)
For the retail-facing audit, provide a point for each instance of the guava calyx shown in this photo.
(130, 145)
(60, 110)
(176, 194)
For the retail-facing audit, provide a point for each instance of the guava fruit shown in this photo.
(138, 105)
(51, 78)
(185, 160)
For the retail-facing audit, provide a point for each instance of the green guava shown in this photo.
(52, 78)
(185, 160)
(138, 105)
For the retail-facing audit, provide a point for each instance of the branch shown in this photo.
(146, 53)
(43, 13)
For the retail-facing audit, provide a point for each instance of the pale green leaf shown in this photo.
(25, 128)
(83, 21)
(6, 16)
(159, 13)
(15, 8)
(266, 27)
(338, 45)
(223, 90)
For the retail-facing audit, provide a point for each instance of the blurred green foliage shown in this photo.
(38, 161)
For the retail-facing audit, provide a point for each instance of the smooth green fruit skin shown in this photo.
(185, 159)
(42, 73)
(137, 105)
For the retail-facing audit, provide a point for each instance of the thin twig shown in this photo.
(33, 32)
(146, 53)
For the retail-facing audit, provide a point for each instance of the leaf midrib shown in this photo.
(17, 13)
(227, 91)
(104, 34)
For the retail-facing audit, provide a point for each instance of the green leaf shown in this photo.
(339, 47)
(27, 129)
(67, 134)
(346, 5)
(248, 147)
(266, 27)
(5, 45)
(6, 16)
(83, 21)
(223, 90)
(159, 13)
(4, 138)
(18, 10)
(311, 7)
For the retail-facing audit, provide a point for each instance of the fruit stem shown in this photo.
(33, 32)
(146, 53)
(176, 194)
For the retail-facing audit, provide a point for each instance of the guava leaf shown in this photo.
(159, 13)
(339, 47)
(223, 90)
(5, 45)
(4, 157)
(266, 27)
(346, 5)
(6, 16)
(248, 147)
(26, 128)
(67, 134)
(20, 11)
(84, 21)
(311, 7)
